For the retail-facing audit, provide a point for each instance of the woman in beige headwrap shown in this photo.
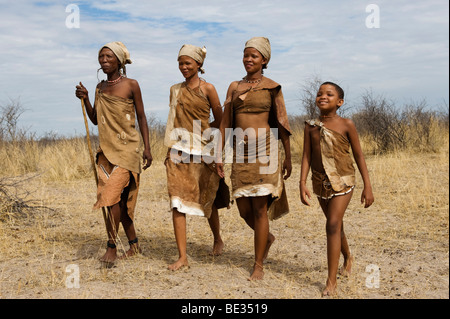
(254, 109)
(118, 102)
(192, 180)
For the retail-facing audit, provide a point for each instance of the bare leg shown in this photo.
(179, 226)
(270, 240)
(130, 232)
(346, 268)
(245, 206)
(112, 225)
(334, 210)
(261, 222)
(214, 223)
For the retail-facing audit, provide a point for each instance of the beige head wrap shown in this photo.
(261, 44)
(196, 53)
(121, 52)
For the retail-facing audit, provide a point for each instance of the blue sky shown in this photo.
(406, 59)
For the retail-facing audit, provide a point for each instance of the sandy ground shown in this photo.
(400, 244)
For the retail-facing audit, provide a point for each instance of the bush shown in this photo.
(381, 121)
(390, 128)
(9, 118)
(14, 202)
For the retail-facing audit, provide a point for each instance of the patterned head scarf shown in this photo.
(196, 53)
(261, 44)
(121, 52)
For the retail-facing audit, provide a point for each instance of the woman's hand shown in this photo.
(220, 170)
(287, 168)
(81, 92)
(148, 159)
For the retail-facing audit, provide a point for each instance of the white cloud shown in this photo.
(42, 60)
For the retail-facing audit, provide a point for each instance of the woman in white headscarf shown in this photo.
(118, 103)
(256, 115)
(193, 184)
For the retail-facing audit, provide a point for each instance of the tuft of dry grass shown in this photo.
(64, 159)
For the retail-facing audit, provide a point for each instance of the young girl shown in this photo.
(326, 150)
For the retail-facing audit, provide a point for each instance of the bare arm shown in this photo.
(226, 120)
(278, 102)
(142, 120)
(287, 165)
(306, 164)
(214, 101)
(224, 124)
(367, 196)
(83, 94)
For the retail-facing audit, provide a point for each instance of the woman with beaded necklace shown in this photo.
(193, 184)
(118, 102)
(254, 110)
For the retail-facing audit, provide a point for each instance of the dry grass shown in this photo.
(61, 160)
(405, 234)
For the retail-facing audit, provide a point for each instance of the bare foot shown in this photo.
(330, 289)
(346, 268)
(258, 272)
(270, 241)
(133, 251)
(217, 248)
(110, 256)
(180, 263)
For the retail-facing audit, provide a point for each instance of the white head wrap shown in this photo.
(196, 53)
(121, 52)
(261, 44)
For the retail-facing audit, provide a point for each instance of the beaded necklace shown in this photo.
(252, 82)
(115, 81)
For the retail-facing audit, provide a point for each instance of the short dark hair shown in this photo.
(337, 87)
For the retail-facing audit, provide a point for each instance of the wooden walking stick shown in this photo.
(92, 156)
